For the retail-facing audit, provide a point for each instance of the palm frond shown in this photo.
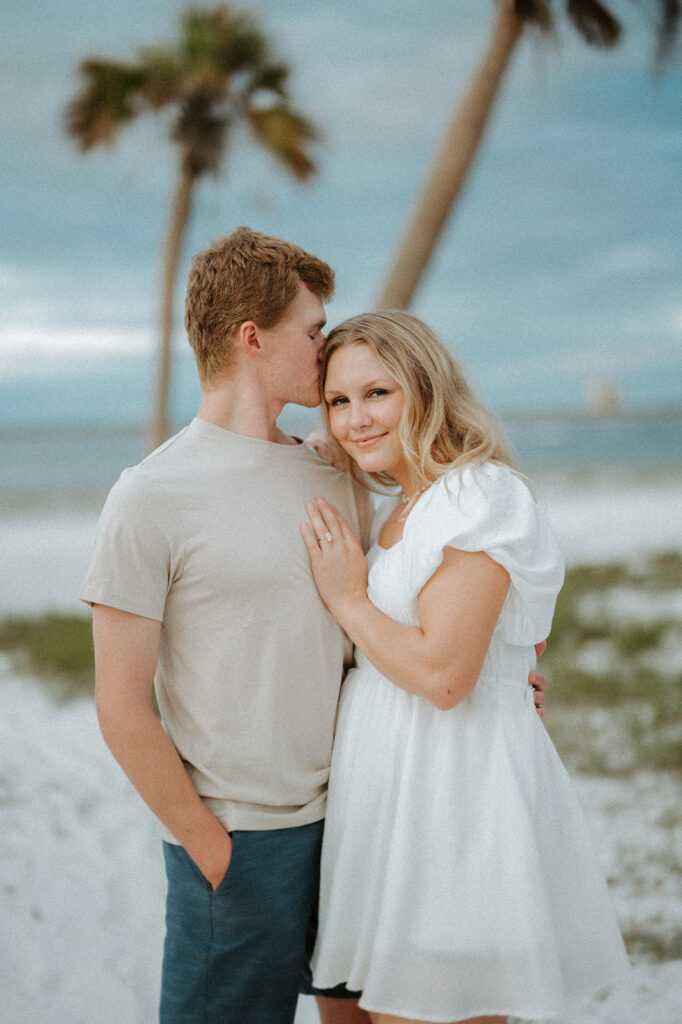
(595, 23)
(271, 78)
(286, 135)
(201, 132)
(109, 98)
(230, 41)
(537, 12)
(164, 76)
(668, 26)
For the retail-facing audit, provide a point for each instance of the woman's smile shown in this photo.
(365, 406)
(369, 440)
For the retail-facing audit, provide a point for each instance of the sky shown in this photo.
(560, 266)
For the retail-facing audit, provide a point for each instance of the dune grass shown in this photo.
(613, 700)
(614, 707)
(614, 694)
(56, 648)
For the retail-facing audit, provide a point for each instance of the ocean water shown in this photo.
(613, 491)
(76, 466)
(68, 429)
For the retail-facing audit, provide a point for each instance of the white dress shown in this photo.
(458, 874)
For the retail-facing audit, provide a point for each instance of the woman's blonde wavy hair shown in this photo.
(443, 426)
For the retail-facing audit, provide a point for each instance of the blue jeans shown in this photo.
(239, 955)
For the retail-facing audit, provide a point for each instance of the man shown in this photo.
(200, 586)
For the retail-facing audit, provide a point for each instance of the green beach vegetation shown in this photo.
(614, 663)
(55, 648)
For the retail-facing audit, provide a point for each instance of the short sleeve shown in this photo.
(489, 508)
(131, 566)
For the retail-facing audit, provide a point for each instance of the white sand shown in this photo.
(44, 555)
(81, 874)
(82, 879)
(615, 517)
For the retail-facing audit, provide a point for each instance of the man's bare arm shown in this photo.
(126, 653)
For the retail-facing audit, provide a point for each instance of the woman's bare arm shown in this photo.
(441, 659)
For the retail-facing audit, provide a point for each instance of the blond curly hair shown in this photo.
(443, 426)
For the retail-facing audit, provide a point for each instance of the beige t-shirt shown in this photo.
(204, 536)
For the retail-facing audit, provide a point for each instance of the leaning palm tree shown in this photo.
(220, 74)
(454, 160)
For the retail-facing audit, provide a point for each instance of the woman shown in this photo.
(458, 879)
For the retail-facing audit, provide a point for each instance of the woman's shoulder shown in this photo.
(475, 506)
(488, 507)
(480, 486)
(488, 474)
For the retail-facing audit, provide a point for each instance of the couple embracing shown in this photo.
(242, 577)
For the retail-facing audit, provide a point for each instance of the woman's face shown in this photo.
(365, 404)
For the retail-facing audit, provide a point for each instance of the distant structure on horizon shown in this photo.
(604, 398)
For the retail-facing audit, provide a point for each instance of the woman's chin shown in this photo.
(369, 462)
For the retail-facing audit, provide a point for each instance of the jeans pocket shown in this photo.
(224, 882)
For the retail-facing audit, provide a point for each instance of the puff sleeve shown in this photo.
(489, 508)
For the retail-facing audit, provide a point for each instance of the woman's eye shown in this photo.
(337, 401)
(379, 391)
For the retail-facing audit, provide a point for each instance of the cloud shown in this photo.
(42, 351)
(567, 231)
(590, 360)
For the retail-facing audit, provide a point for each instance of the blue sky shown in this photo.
(560, 266)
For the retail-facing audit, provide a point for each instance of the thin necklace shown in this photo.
(406, 500)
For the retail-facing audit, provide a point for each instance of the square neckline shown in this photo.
(378, 543)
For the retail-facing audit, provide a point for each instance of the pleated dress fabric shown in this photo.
(459, 877)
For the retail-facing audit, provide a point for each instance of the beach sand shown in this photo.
(81, 873)
(83, 888)
(44, 554)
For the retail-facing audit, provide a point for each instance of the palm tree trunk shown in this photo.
(453, 162)
(159, 428)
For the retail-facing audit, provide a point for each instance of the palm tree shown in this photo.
(454, 160)
(218, 75)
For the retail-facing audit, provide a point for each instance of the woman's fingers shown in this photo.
(318, 523)
(332, 517)
(310, 540)
(324, 524)
(325, 520)
(328, 527)
(344, 528)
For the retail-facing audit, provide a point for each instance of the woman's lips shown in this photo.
(367, 442)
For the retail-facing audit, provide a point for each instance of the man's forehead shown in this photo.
(311, 299)
(308, 305)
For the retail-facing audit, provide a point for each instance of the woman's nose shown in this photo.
(359, 414)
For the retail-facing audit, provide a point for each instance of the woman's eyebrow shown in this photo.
(367, 386)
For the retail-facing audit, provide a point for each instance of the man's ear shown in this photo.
(247, 337)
